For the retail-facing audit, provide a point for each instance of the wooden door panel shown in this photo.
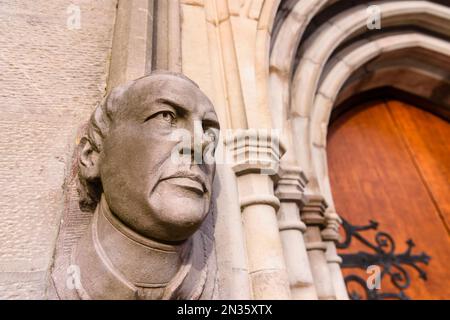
(378, 155)
(427, 138)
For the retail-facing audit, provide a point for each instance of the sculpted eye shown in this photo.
(167, 116)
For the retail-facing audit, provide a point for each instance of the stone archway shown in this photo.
(314, 60)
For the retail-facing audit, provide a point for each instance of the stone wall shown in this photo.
(52, 75)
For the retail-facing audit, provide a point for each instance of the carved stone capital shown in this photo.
(331, 231)
(313, 212)
(255, 151)
(291, 182)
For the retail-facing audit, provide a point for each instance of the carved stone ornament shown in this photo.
(145, 166)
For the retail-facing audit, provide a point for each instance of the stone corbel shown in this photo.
(332, 223)
(291, 182)
(255, 151)
(313, 212)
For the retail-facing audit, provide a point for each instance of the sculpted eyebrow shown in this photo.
(178, 107)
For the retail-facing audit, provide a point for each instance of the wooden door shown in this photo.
(390, 162)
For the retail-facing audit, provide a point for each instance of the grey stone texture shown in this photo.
(51, 79)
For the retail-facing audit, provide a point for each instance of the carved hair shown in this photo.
(97, 128)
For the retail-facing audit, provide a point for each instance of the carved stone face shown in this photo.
(144, 187)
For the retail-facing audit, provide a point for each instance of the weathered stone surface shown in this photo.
(51, 77)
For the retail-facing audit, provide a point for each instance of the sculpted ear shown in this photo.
(89, 160)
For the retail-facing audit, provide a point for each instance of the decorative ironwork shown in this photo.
(384, 256)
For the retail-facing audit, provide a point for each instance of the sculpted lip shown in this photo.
(187, 180)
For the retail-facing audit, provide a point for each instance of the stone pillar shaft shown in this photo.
(334, 265)
(331, 235)
(264, 249)
(290, 192)
(256, 155)
(131, 55)
(313, 216)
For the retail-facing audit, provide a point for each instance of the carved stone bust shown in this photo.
(146, 170)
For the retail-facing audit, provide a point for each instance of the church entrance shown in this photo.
(390, 162)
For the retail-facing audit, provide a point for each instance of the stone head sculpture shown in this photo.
(128, 154)
(146, 168)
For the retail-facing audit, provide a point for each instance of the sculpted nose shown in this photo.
(199, 140)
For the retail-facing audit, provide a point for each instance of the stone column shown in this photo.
(131, 55)
(289, 190)
(256, 155)
(312, 215)
(331, 235)
(147, 36)
(167, 35)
